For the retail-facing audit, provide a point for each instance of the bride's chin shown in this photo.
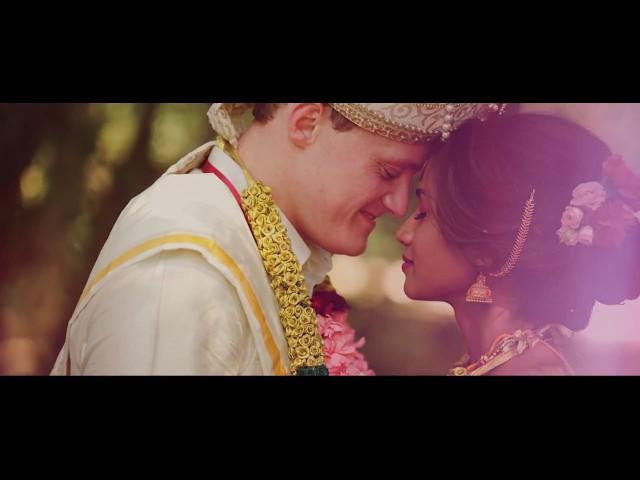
(422, 296)
(410, 293)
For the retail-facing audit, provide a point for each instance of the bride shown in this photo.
(524, 222)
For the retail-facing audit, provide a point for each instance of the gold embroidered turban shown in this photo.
(401, 122)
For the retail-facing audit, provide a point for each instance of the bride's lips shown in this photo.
(407, 264)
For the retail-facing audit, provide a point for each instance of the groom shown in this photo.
(210, 270)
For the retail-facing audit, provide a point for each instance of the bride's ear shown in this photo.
(483, 262)
(479, 260)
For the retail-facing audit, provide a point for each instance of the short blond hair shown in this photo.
(263, 112)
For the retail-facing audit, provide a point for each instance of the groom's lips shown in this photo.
(371, 218)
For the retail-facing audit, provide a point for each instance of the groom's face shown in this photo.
(347, 181)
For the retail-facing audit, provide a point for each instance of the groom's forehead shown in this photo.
(410, 157)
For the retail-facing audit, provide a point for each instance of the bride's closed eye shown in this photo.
(422, 213)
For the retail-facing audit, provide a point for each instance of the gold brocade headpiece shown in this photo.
(415, 122)
(402, 122)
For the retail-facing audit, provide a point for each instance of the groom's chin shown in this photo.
(352, 251)
(353, 248)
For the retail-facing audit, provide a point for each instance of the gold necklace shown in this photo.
(508, 346)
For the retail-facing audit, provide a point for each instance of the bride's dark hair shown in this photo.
(483, 177)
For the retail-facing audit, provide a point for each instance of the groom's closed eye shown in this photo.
(389, 173)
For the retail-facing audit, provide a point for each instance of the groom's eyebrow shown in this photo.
(409, 164)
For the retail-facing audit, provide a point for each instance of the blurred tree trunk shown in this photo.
(130, 178)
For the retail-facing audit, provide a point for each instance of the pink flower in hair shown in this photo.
(625, 180)
(601, 217)
(611, 222)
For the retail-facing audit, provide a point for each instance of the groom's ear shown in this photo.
(304, 123)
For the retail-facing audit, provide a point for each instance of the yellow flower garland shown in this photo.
(306, 352)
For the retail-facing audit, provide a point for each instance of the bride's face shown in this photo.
(434, 269)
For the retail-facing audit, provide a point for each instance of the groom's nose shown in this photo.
(397, 201)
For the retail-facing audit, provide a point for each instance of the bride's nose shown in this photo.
(405, 233)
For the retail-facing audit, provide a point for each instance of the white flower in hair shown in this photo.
(589, 194)
(572, 217)
(599, 216)
(568, 236)
(585, 235)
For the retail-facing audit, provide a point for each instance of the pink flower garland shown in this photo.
(342, 357)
